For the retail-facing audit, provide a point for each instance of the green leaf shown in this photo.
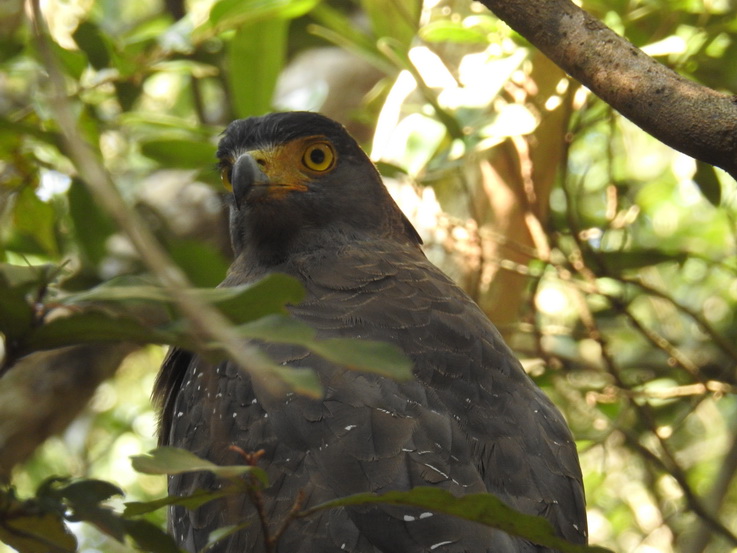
(16, 314)
(150, 537)
(637, 259)
(18, 286)
(708, 182)
(73, 62)
(451, 31)
(240, 304)
(356, 354)
(35, 219)
(172, 460)
(482, 508)
(181, 153)
(267, 296)
(302, 380)
(29, 532)
(89, 491)
(93, 326)
(222, 533)
(192, 501)
(390, 18)
(94, 43)
(365, 355)
(255, 69)
(231, 14)
(203, 264)
(92, 226)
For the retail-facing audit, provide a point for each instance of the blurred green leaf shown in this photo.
(29, 532)
(451, 31)
(94, 43)
(398, 20)
(239, 303)
(625, 260)
(92, 226)
(171, 460)
(35, 220)
(231, 14)
(88, 491)
(254, 68)
(73, 62)
(180, 153)
(19, 287)
(192, 501)
(93, 326)
(708, 182)
(203, 264)
(150, 537)
(483, 508)
(364, 355)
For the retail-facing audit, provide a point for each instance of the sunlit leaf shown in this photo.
(171, 460)
(239, 303)
(230, 14)
(255, 68)
(451, 31)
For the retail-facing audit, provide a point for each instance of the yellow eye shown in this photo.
(225, 177)
(319, 157)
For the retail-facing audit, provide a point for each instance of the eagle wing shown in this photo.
(471, 421)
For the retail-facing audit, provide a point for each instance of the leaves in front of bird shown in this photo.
(365, 355)
(221, 533)
(480, 507)
(150, 537)
(192, 501)
(172, 460)
(33, 526)
(357, 354)
(93, 326)
(35, 532)
(239, 303)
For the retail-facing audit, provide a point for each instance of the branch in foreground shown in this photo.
(686, 116)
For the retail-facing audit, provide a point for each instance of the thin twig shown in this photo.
(207, 323)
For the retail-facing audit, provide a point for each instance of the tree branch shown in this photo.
(35, 396)
(689, 117)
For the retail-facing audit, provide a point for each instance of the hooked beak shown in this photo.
(246, 174)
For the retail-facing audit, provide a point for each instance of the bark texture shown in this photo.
(689, 117)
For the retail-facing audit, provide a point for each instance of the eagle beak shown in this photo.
(246, 174)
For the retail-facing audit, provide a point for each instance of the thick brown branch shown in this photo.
(45, 391)
(691, 118)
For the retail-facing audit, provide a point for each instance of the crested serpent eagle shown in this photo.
(306, 201)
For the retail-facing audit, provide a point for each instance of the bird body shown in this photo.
(470, 421)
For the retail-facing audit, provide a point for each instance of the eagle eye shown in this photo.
(319, 157)
(225, 172)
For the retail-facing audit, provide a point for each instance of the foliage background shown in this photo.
(606, 259)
